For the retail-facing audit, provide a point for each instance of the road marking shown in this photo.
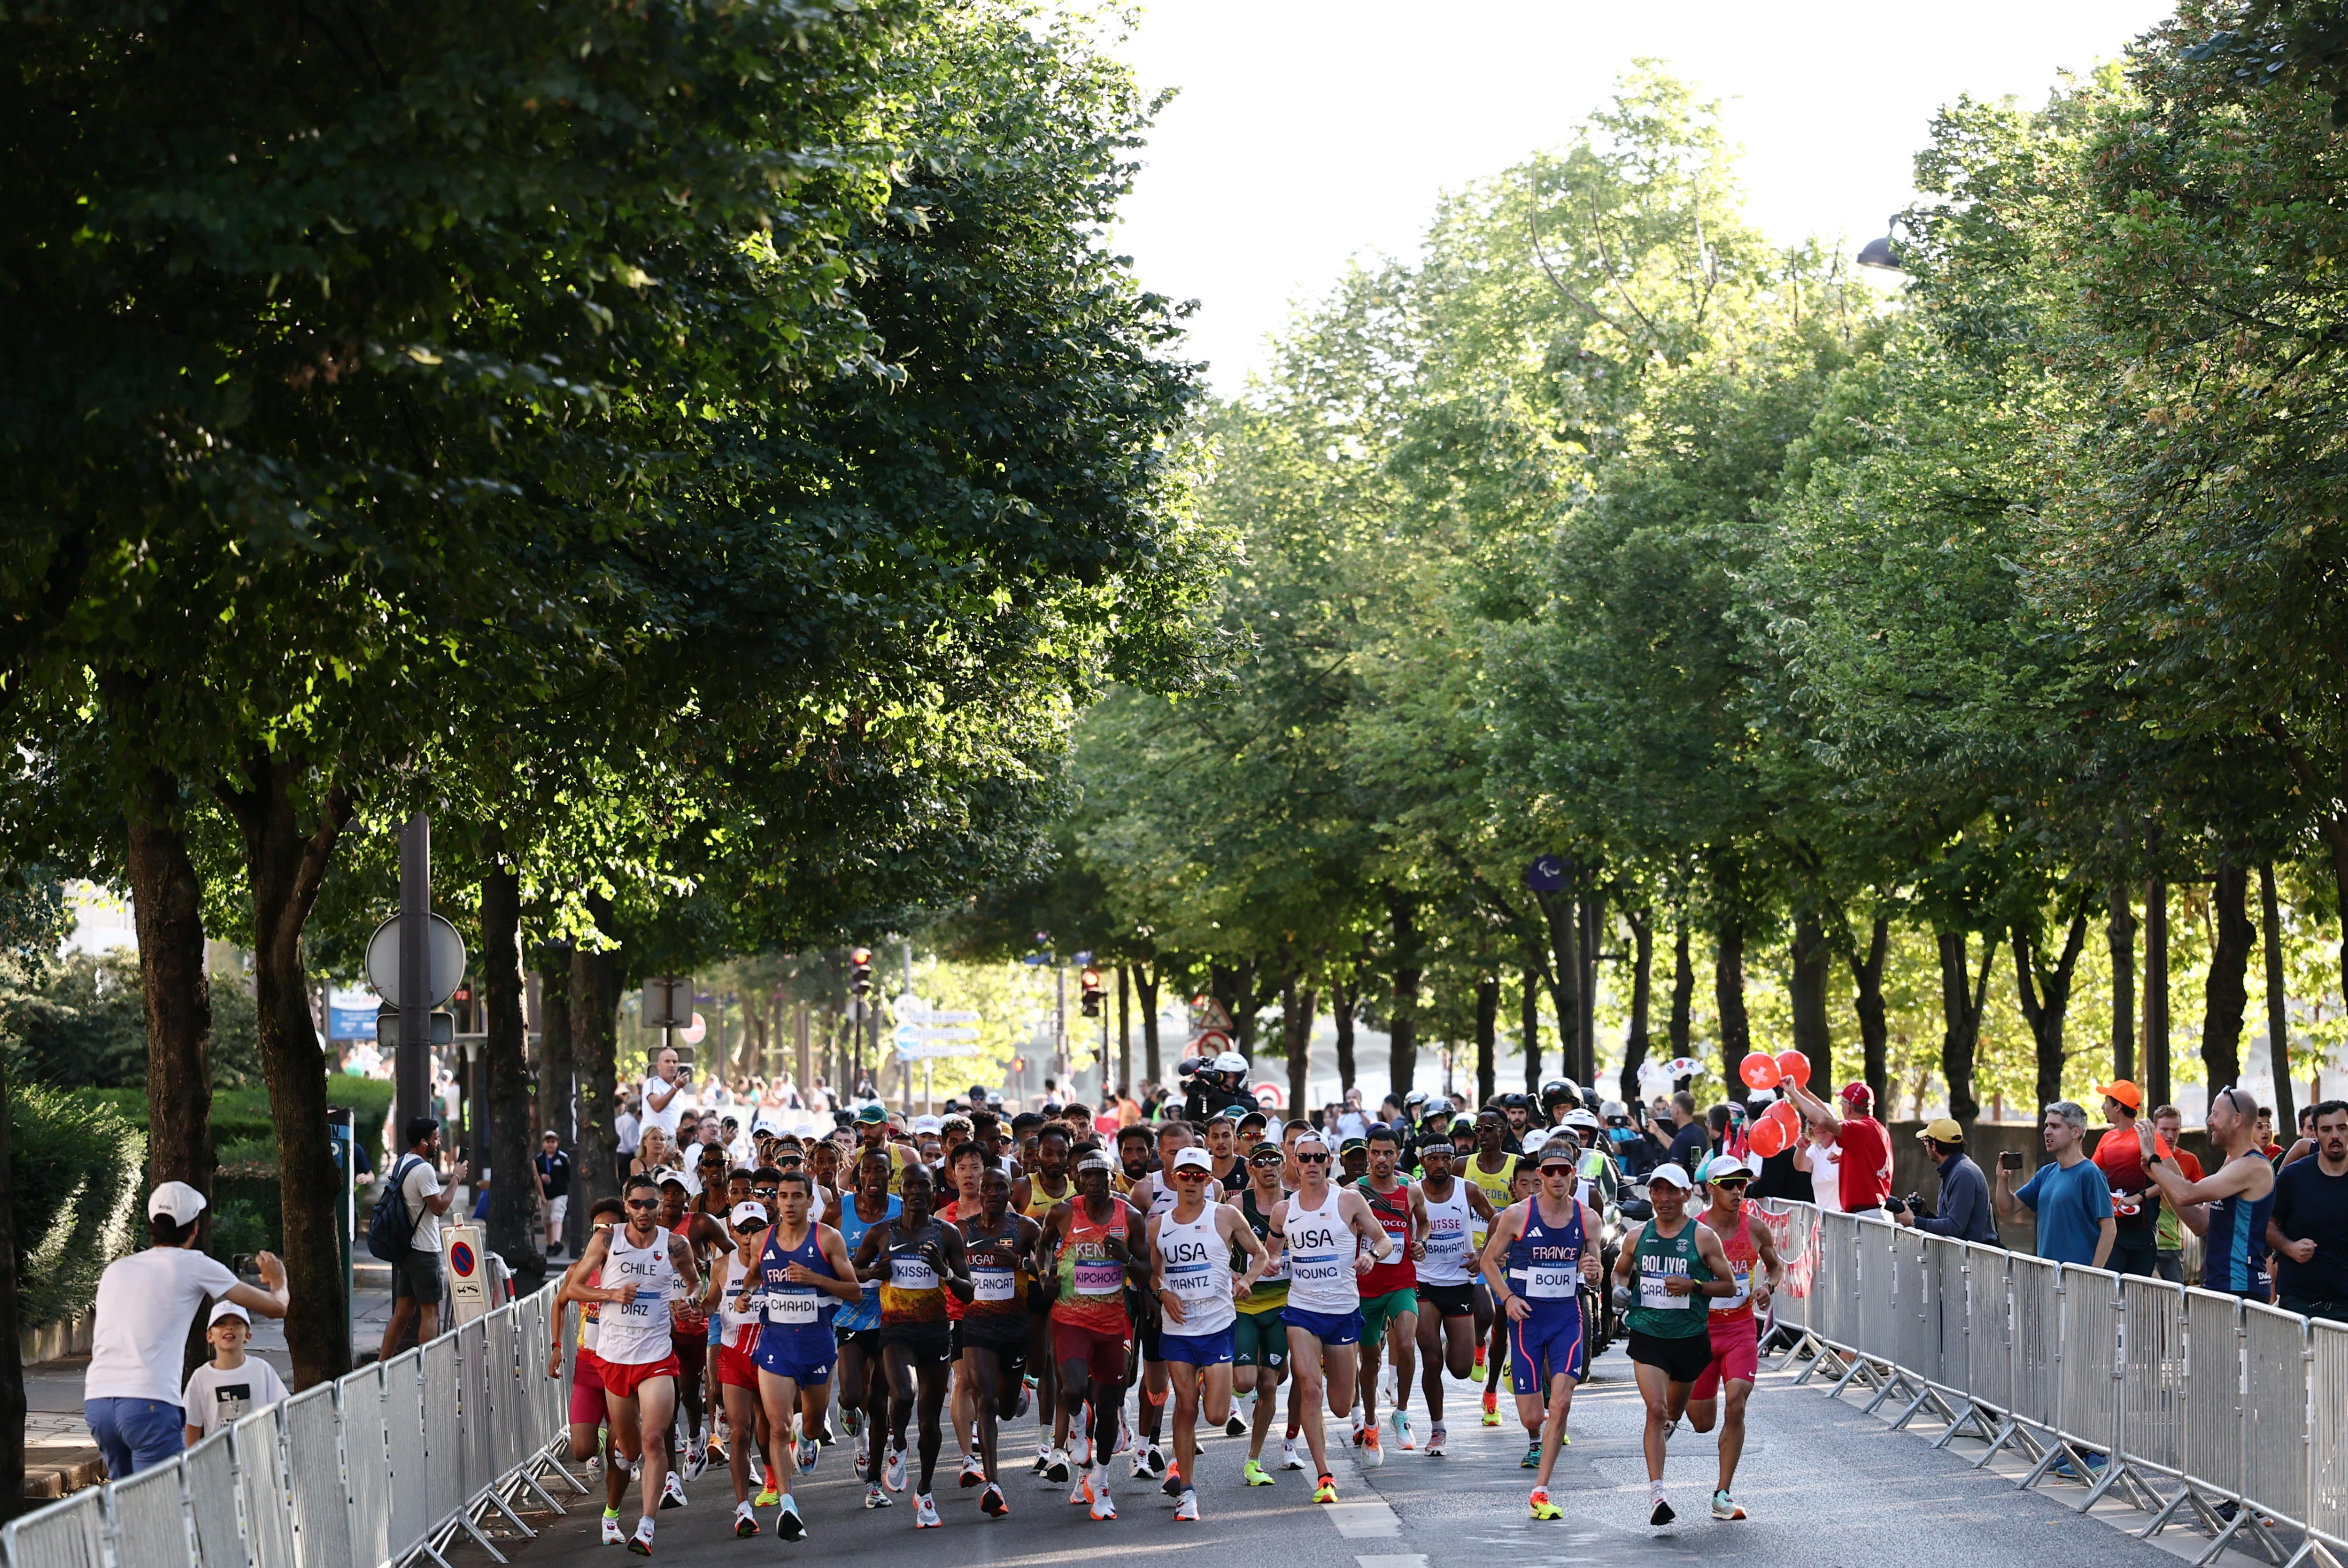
(1363, 1518)
(1406, 1560)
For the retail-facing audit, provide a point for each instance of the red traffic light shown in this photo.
(1090, 979)
(861, 956)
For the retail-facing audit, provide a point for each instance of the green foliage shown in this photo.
(77, 1175)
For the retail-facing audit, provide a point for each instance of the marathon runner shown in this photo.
(799, 1262)
(1539, 1253)
(590, 1410)
(1043, 1187)
(1323, 1227)
(1153, 1194)
(1667, 1272)
(858, 1325)
(1191, 1248)
(1390, 1290)
(998, 1326)
(1087, 1246)
(1455, 1214)
(1734, 1324)
(1259, 1335)
(648, 1270)
(1493, 1169)
(965, 1166)
(707, 1238)
(924, 1260)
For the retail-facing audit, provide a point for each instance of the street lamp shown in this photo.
(1881, 252)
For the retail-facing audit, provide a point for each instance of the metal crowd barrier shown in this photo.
(2189, 1405)
(375, 1471)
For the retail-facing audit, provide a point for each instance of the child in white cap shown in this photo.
(231, 1384)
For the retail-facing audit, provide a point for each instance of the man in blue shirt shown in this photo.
(1964, 1195)
(2069, 1195)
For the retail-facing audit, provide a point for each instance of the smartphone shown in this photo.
(2008, 1159)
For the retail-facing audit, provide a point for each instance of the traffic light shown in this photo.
(1091, 981)
(859, 971)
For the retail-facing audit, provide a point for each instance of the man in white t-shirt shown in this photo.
(416, 1278)
(232, 1384)
(627, 1128)
(664, 1093)
(130, 1394)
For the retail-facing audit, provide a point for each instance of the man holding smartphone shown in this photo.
(2069, 1195)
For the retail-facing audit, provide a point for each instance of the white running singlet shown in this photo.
(1448, 1224)
(1321, 1250)
(1198, 1273)
(637, 1333)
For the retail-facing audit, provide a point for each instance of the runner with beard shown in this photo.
(647, 1270)
(591, 1427)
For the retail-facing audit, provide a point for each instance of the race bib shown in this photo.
(1321, 1266)
(794, 1308)
(1552, 1281)
(1098, 1276)
(647, 1305)
(1655, 1296)
(1744, 1289)
(912, 1273)
(993, 1285)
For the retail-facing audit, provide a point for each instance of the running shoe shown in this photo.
(1172, 1486)
(746, 1523)
(696, 1460)
(1532, 1457)
(1255, 1474)
(1354, 1422)
(757, 1468)
(1186, 1512)
(974, 1473)
(1726, 1508)
(876, 1498)
(1289, 1458)
(612, 1534)
(1403, 1438)
(673, 1493)
(991, 1502)
(1236, 1427)
(1327, 1491)
(1025, 1401)
(1082, 1492)
(926, 1513)
(714, 1448)
(1124, 1434)
(1435, 1436)
(1478, 1369)
(1543, 1508)
(808, 1453)
(826, 1437)
(1042, 1459)
(1492, 1409)
(852, 1420)
(1148, 1463)
(641, 1542)
(788, 1523)
(767, 1497)
(1103, 1508)
(892, 1470)
(1662, 1513)
(1056, 1469)
(1374, 1453)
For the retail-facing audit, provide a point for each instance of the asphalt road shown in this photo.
(1826, 1485)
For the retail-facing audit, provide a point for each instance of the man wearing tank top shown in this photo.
(2229, 1207)
(1260, 1333)
(1734, 1324)
(1455, 1212)
(786, 1297)
(1390, 1290)
(1153, 1194)
(1190, 1251)
(589, 1418)
(918, 1259)
(1541, 1251)
(1089, 1247)
(1665, 1277)
(1325, 1229)
(647, 1273)
(997, 1327)
(1044, 1185)
(1494, 1170)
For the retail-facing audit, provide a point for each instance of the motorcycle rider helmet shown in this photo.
(1231, 1062)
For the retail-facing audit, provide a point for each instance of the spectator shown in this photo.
(554, 1185)
(1688, 1139)
(1820, 1159)
(2134, 1210)
(1964, 1192)
(416, 1278)
(627, 1131)
(231, 1384)
(2168, 1234)
(2229, 1206)
(2304, 1144)
(2267, 1146)
(1351, 1122)
(1864, 1166)
(2069, 1195)
(146, 1303)
(2307, 1227)
(663, 1092)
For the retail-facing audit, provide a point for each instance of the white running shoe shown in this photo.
(1236, 1427)
(808, 1453)
(673, 1493)
(641, 1542)
(612, 1534)
(1403, 1438)
(1353, 1423)
(1124, 1434)
(1103, 1508)
(973, 1473)
(1057, 1468)
(746, 1521)
(1143, 1469)
(757, 1471)
(926, 1513)
(1187, 1511)
(696, 1460)
(1726, 1508)
(1082, 1492)
(892, 1470)
(1289, 1458)
(1435, 1439)
(1042, 1459)
(876, 1498)
(788, 1523)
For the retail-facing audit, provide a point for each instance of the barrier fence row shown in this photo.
(382, 1467)
(2191, 1405)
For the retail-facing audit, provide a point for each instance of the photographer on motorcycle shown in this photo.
(1214, 1084)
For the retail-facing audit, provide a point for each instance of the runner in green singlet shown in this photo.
(1663, 1280)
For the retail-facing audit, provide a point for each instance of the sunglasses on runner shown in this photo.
(644, 1202)
(1264, 1159)
(1322, 1159)
(1190, 1175)
(750, 1228)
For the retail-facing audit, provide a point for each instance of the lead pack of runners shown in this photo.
(956, 1273)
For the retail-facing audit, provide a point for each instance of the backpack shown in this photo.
(391, 1230)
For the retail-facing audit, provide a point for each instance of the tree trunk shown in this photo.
(1807, 988)
(1488, 1032)
(285, 867)
(1643, 984)
(2155, 992)
(1344, 996)
(512, 1141)
(1124, 1030)
(2046, 996)
(1961, 998)
(1297, 1004)
(1531, 1009)
(1562, 911)
(1874, 1027)
(2278, 1003)
(2119, 939)
(1585, 1070)
(1728, 995)
(2226, 994)
(1683, 991)
(558, 1066)
(11, 1365)
(167, 904)
(1145, 990)
(1402, 1022)
(594, 1031)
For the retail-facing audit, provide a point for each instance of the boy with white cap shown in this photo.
(131, 1393)
(231, 1384)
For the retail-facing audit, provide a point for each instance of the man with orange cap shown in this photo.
(2136, 1208)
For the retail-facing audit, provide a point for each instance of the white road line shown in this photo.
(1406, 1560)
(1363, 1514)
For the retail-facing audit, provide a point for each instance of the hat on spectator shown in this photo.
(1944, 1130)
(228, 1309)
(1856, 1093)
(176, 1200)
(2127, 1093)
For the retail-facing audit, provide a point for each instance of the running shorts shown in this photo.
(1260, 1339)
(1736, 1353)
(806, 1361)
(1010, 1352)
(925, 1344)
(1103, 1355)
(1681, 1359)
(736, 1370)
(587, 1406)
(1328, 1328)
(1199, 1349)
(1448, 1300)
(1378, 1311)
(1548, 1343)
(866, 1340)
(623, 1381)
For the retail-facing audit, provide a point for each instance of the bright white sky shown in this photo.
(1308, 131)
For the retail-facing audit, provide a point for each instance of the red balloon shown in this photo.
(1768, 1138)
(1787, 1119)
(1794, 1065)
(1759, 1070)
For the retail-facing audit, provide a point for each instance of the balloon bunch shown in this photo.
(1781, 1124)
